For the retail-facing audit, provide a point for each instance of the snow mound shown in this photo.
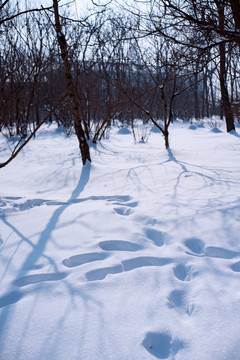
(216, 130)
(124, 131)
(192, 127)
(233, 132)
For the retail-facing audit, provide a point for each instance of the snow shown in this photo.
(135, 256)
(124, 131)
(192, 127)
(216, 130)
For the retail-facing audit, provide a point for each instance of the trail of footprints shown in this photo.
(155, 236)
(182, 272)
(177, 299)
(107, 247)
(161, 345)
(123, 206)
(125, 265)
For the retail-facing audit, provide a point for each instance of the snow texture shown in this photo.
(135, 256)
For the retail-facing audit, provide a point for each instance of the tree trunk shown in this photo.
(84, 148)
(166, 138)
(196, 95)
(227, 108)
(213, 107)
(235, 6)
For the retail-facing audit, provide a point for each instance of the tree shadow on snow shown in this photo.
(186, 173)
(14, 295)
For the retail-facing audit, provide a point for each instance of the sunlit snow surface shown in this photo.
(134, 257)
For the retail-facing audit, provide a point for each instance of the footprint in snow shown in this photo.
(182, 272)
(118, 245)
(15, 205)
(13, 197)
(132, 204)
(162, 345)
(100, 274)
(177, 300)
(125, 208)
(198, 248)
(127, 265)
(143, 261)
(119, 198)
(221, 253)
(235, 267)
(156, 236)
(29, 204)
(124, 211)
(37, 278)
(81, 259)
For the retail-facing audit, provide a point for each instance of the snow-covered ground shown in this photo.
(134, 257)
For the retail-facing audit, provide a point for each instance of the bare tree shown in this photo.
(84, 148)
(228, 111)
(201, 26)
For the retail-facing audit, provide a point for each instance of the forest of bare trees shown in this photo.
(161, 61)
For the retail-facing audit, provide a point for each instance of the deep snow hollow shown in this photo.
(134, 257)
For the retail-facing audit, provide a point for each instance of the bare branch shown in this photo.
(18, 148)
(11, 17)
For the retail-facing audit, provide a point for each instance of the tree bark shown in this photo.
(166, 139)
(84, 148)
(227, 108)
(235, 6)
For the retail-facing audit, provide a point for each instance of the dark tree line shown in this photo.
(158, 63)
(203, 29)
